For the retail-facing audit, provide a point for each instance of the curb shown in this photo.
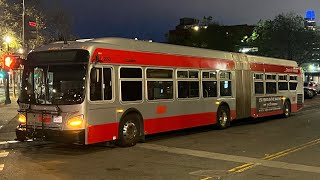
(19, 144)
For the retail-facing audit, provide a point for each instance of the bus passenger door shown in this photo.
(101, 116)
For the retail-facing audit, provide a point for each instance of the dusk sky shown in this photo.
(151, 19)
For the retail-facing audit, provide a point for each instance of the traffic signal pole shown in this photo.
(23, 29)
(7, 101)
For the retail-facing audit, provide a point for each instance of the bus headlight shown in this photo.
(22, 119)
(76, 121)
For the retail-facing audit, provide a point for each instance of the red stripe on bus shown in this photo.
(157, 125)
(294, 108)
(233, 114)
(264, 114)
(153, 59)
(102, 133)
(274, 68)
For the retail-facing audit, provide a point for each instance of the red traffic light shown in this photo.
(32, 24)
(11, 62)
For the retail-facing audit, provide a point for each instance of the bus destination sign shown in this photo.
(267, 104)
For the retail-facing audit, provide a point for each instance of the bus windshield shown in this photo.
(58, 84)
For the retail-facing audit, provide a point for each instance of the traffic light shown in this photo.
(30, 28)
(2, 74)
(11, 62)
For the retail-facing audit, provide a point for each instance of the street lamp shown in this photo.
(20, 51)
(7, 39)
(196, 28)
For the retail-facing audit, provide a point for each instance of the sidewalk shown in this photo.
(8, 120)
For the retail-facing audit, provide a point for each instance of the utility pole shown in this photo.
(7, 92)
(23, 29)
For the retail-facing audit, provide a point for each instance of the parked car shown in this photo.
(314, 85)
(309, 93)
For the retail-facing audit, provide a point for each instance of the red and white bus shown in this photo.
(115, 89)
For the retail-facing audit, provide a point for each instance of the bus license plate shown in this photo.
(57, 119)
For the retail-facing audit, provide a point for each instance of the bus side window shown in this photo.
(258, 88)
(271, 88)
(225, 84)
(131, 84)
(96, 84)
(107, 83)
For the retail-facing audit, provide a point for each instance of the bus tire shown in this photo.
(21, 136)
(129, 130)
(223, 117)
(286, 109)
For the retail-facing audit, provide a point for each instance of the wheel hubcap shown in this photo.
(223, 118)
(287, 110)
(129, 130)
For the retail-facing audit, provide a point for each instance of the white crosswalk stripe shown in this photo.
(3, 154)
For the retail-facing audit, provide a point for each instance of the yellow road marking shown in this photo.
(231, 158)
(206, 178)
(239, 167)
(293, 149)
(247, 166)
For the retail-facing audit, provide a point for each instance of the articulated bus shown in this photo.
(114, 89)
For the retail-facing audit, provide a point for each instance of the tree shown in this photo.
(48, 28)
(284, 37)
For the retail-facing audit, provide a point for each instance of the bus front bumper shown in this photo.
(66, 136)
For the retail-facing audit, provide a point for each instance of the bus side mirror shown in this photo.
(93, 75)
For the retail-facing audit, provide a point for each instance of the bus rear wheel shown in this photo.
(223, 117)
(129, 130)
(286, 109)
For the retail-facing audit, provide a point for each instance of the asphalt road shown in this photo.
(270, 148)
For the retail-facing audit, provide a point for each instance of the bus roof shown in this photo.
(162, 48)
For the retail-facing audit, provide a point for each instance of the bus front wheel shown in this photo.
(223, 117)
(129, 130)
